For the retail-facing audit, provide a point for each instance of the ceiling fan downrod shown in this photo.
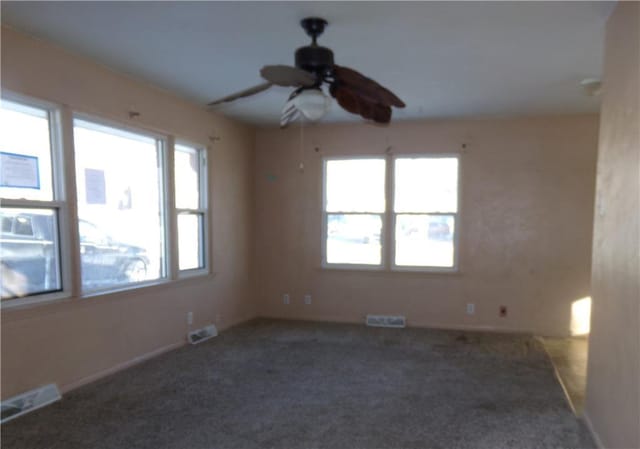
(314, 58)
(314, 26)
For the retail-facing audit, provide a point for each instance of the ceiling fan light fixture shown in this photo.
(315, 68)
(313, 103)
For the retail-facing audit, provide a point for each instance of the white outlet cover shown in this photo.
(286, 299)
(307, 299)
(189, 318)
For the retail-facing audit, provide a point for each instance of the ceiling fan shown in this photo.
(314, 67)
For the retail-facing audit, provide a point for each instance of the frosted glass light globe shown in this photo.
(313, 104)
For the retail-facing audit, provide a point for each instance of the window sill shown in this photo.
(150, 286)
(29, 302)
(191, 274)
(55, 301)
(393, 272)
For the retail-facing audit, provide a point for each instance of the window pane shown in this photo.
(425, 240)
(29, 252)
(355, 185)
(25, 153)
(354, 239)
(426, 185)
(187, 177)
(190, 241)
(119, 206)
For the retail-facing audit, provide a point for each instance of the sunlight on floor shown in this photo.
(569, 357)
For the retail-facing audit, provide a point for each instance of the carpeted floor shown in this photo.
(289, 385)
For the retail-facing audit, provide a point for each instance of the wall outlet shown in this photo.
(189, 318)
(286, 299)
(307, 298)
(471, 308)
(503, 311)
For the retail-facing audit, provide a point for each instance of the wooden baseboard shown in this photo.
(119, 367)
(139, 359)
(426, 325)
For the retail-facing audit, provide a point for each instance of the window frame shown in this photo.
(383, 216)
(58, 204)
(202, 210)
(456, 215)
(64, 186)
(389, 217)
(163, 150)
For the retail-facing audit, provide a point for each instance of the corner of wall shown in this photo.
(594, 434)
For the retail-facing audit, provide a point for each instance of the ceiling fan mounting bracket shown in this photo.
(314, 26)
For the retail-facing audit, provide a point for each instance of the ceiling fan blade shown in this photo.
(352, 102)
(366, 87)
(243, 93)
(377, 112)
(345, 98)
(287, 76)
(382, 114)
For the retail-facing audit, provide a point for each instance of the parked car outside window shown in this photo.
(28, 250)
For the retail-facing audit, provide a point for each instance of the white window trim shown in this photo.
(394, 214)
(383, 215)
(162, 148)
(203, 209)
(61, 125)
(389, 218)
(59, 202)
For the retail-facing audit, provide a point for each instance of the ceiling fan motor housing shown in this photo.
(314, 59)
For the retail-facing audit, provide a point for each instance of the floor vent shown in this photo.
(200, 335)
(386, 320)
(29, 401)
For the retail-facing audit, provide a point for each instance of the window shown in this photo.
(122, 185)
(354, 207)
(424, 213)
(190, 203)
(31, 202)
(120, 197)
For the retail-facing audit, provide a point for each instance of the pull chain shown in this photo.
(301, 149)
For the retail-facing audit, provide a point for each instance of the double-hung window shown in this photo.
(120, 195)
(425, 209)
(190, 180)
(423, 213)
(354, 211)
(32, 199)
(133, 222)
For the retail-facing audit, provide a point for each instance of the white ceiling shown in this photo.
(444, 59)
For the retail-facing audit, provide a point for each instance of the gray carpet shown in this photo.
(288, 385)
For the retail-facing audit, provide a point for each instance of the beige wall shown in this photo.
(526, 214)
(73, 341)
(526, 223)
(613, 390)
